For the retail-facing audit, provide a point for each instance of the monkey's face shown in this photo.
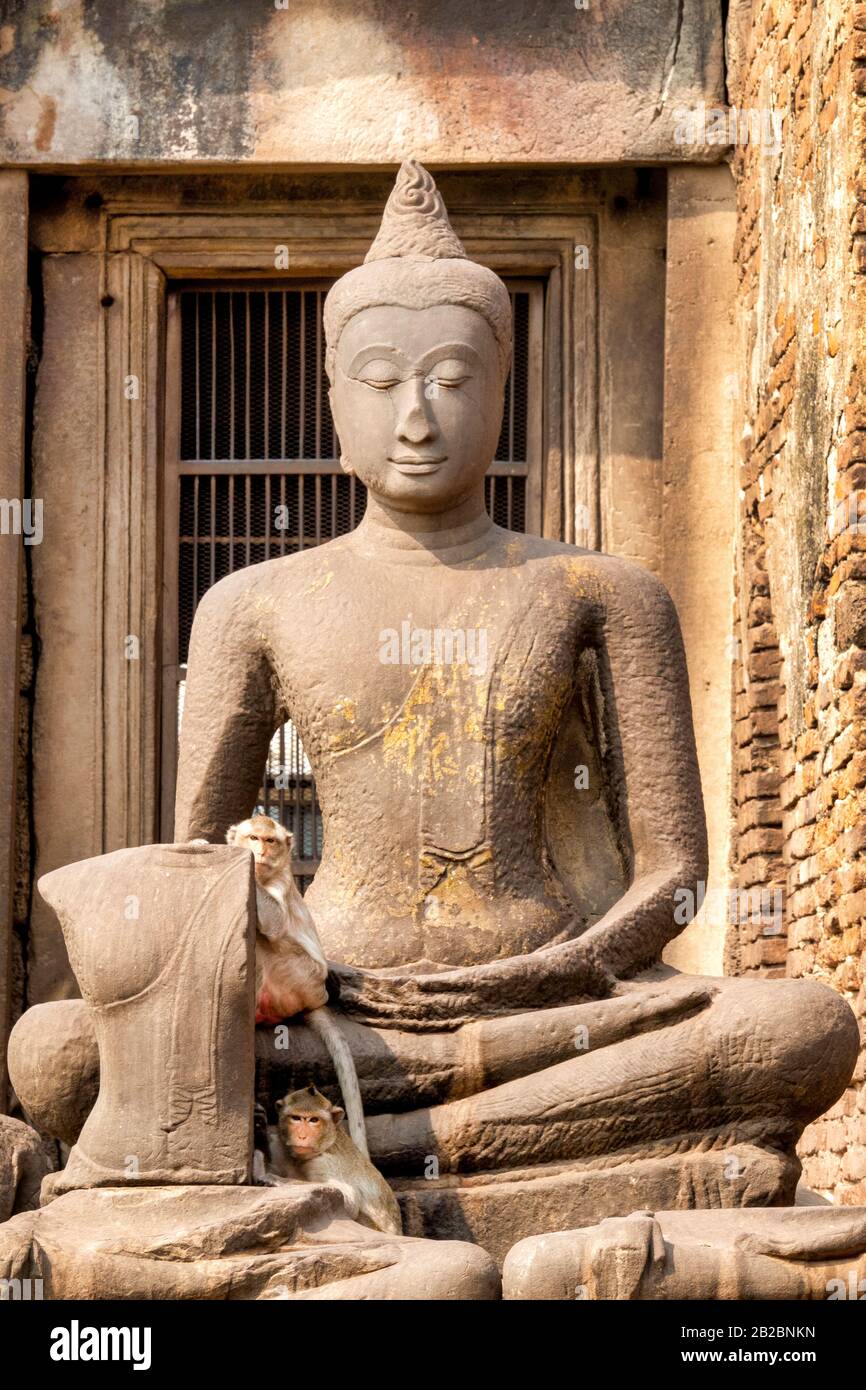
(307, 1124)
(303, 1135)
(306, 1135)
(270, 843)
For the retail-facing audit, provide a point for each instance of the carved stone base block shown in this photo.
(495, 1211)
(222, 1242)
(777, 1253)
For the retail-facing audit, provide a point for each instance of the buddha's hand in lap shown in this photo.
(563, 974)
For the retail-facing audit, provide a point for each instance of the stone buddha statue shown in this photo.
(497, 932)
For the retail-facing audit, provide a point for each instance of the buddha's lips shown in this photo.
(416, 465)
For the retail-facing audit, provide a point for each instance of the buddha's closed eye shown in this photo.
(379, 374)
(448, 373)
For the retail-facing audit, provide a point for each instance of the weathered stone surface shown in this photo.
(517, 82)
(850, 616)
(54, 1066)
(498, 1211)
(13, 355)
(291, 1242)
(67, 721)
(160, 939)
(698, 504)
(25, 1159)
(780, 1253)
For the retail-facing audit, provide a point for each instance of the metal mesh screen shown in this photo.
(232, 519)
(253, 383)
(259, 475)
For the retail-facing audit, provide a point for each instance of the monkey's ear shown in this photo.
(337, 1113)
(231, 834)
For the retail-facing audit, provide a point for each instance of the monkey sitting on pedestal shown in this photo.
(309, 1144)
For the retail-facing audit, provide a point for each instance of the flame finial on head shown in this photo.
(417, 261)
(415, 222)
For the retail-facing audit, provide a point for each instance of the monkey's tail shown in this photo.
(322, 1022)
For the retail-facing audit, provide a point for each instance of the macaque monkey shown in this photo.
(310, 1145)
(291, 969)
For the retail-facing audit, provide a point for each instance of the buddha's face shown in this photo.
(417, 401)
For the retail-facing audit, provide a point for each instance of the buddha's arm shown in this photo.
(653, 764)
(230, 713)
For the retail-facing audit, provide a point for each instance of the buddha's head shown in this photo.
(418, 350)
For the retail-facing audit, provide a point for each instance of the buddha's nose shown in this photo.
(414, 423)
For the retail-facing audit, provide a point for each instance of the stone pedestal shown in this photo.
(496, 1211)
(218, 1242)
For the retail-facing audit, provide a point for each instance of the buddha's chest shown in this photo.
(419, 666)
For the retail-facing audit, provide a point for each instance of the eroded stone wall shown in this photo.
(180, 82)
(800, 620)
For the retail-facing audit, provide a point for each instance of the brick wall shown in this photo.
(800, 668)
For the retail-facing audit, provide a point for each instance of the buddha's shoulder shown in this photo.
(303, 572)
(593, 570)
